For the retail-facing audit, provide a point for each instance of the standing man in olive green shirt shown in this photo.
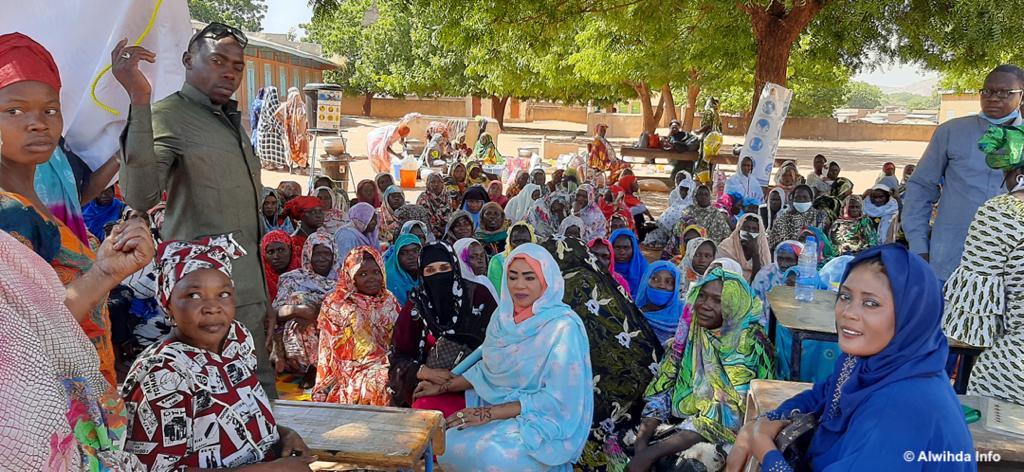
(192, 145)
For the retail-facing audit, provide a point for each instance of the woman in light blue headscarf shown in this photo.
(661, 306)
(400, 279)
(629, 262)
(530, 396)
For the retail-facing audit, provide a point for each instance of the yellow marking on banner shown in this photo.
(96, 80)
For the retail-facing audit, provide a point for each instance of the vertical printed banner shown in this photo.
(80, 35)
(766, 129)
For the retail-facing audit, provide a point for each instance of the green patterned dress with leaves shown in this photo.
(623, 351)
(704, 378)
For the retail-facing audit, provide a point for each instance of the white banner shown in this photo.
(80, 35)
(766, 128)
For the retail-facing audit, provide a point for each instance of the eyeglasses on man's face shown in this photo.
(1000, 94)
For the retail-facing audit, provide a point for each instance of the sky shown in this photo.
(895, 75)
(282, 15)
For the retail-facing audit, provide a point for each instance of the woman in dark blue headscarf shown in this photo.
(629, 263)
(881, 410)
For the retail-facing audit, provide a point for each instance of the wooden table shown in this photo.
(816, 320)
(379, 437)
(766, 395)
(642, 155)
(807, 321)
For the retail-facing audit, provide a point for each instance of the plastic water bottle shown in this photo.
(807, 268)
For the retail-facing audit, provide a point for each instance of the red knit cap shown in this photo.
(23, 59)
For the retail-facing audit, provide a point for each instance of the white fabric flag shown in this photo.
(766, 128)
(80, 35)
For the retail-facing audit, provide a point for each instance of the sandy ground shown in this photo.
(861, 160)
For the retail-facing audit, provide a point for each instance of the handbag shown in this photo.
(446, 354)
(795, 438)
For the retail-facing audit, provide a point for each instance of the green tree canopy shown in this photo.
(244, 14)
(864, 95)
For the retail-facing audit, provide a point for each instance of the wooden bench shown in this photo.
(636, 155)
(345, 437)
(766, 395)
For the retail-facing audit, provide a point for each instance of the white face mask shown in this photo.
(748, 235)
(802, 207)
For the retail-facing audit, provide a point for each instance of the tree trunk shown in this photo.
(670, 103)
(652, 115)
(692, 92)
(498, 110)
(775, 31)
(367, 103)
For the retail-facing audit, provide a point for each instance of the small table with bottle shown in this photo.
(814, 320)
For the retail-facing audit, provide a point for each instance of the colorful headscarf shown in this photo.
(665, 319)
(708, 382)
(476, 192)
(454, 217)
(388, 221)
(461, 248)
(375, 201)
(438, 206)
(400, 282)
(594, 223)
(470, 180)
(632, 271)
(177, 259)
(280, 222)
(298, 206)
(702, 232)
(611, 263)
(771, 275)
(732, 246)
(825, 249)
(276, 236)
(55, 185)
(303, 286)
(486, 151)
(691, 275)
(496, 193)
(543, 219)
(495, 236)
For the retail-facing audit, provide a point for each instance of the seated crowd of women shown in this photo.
(531, 318)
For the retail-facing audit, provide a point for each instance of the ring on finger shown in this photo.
(460, 415)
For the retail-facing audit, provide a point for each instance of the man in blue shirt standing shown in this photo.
(953, 173)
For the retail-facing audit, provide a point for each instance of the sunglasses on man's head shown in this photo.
(218, 31)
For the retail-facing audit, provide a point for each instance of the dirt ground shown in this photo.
(861, 160)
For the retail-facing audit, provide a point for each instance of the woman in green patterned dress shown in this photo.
(704, 384)
(623, 351)
(853, 231)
